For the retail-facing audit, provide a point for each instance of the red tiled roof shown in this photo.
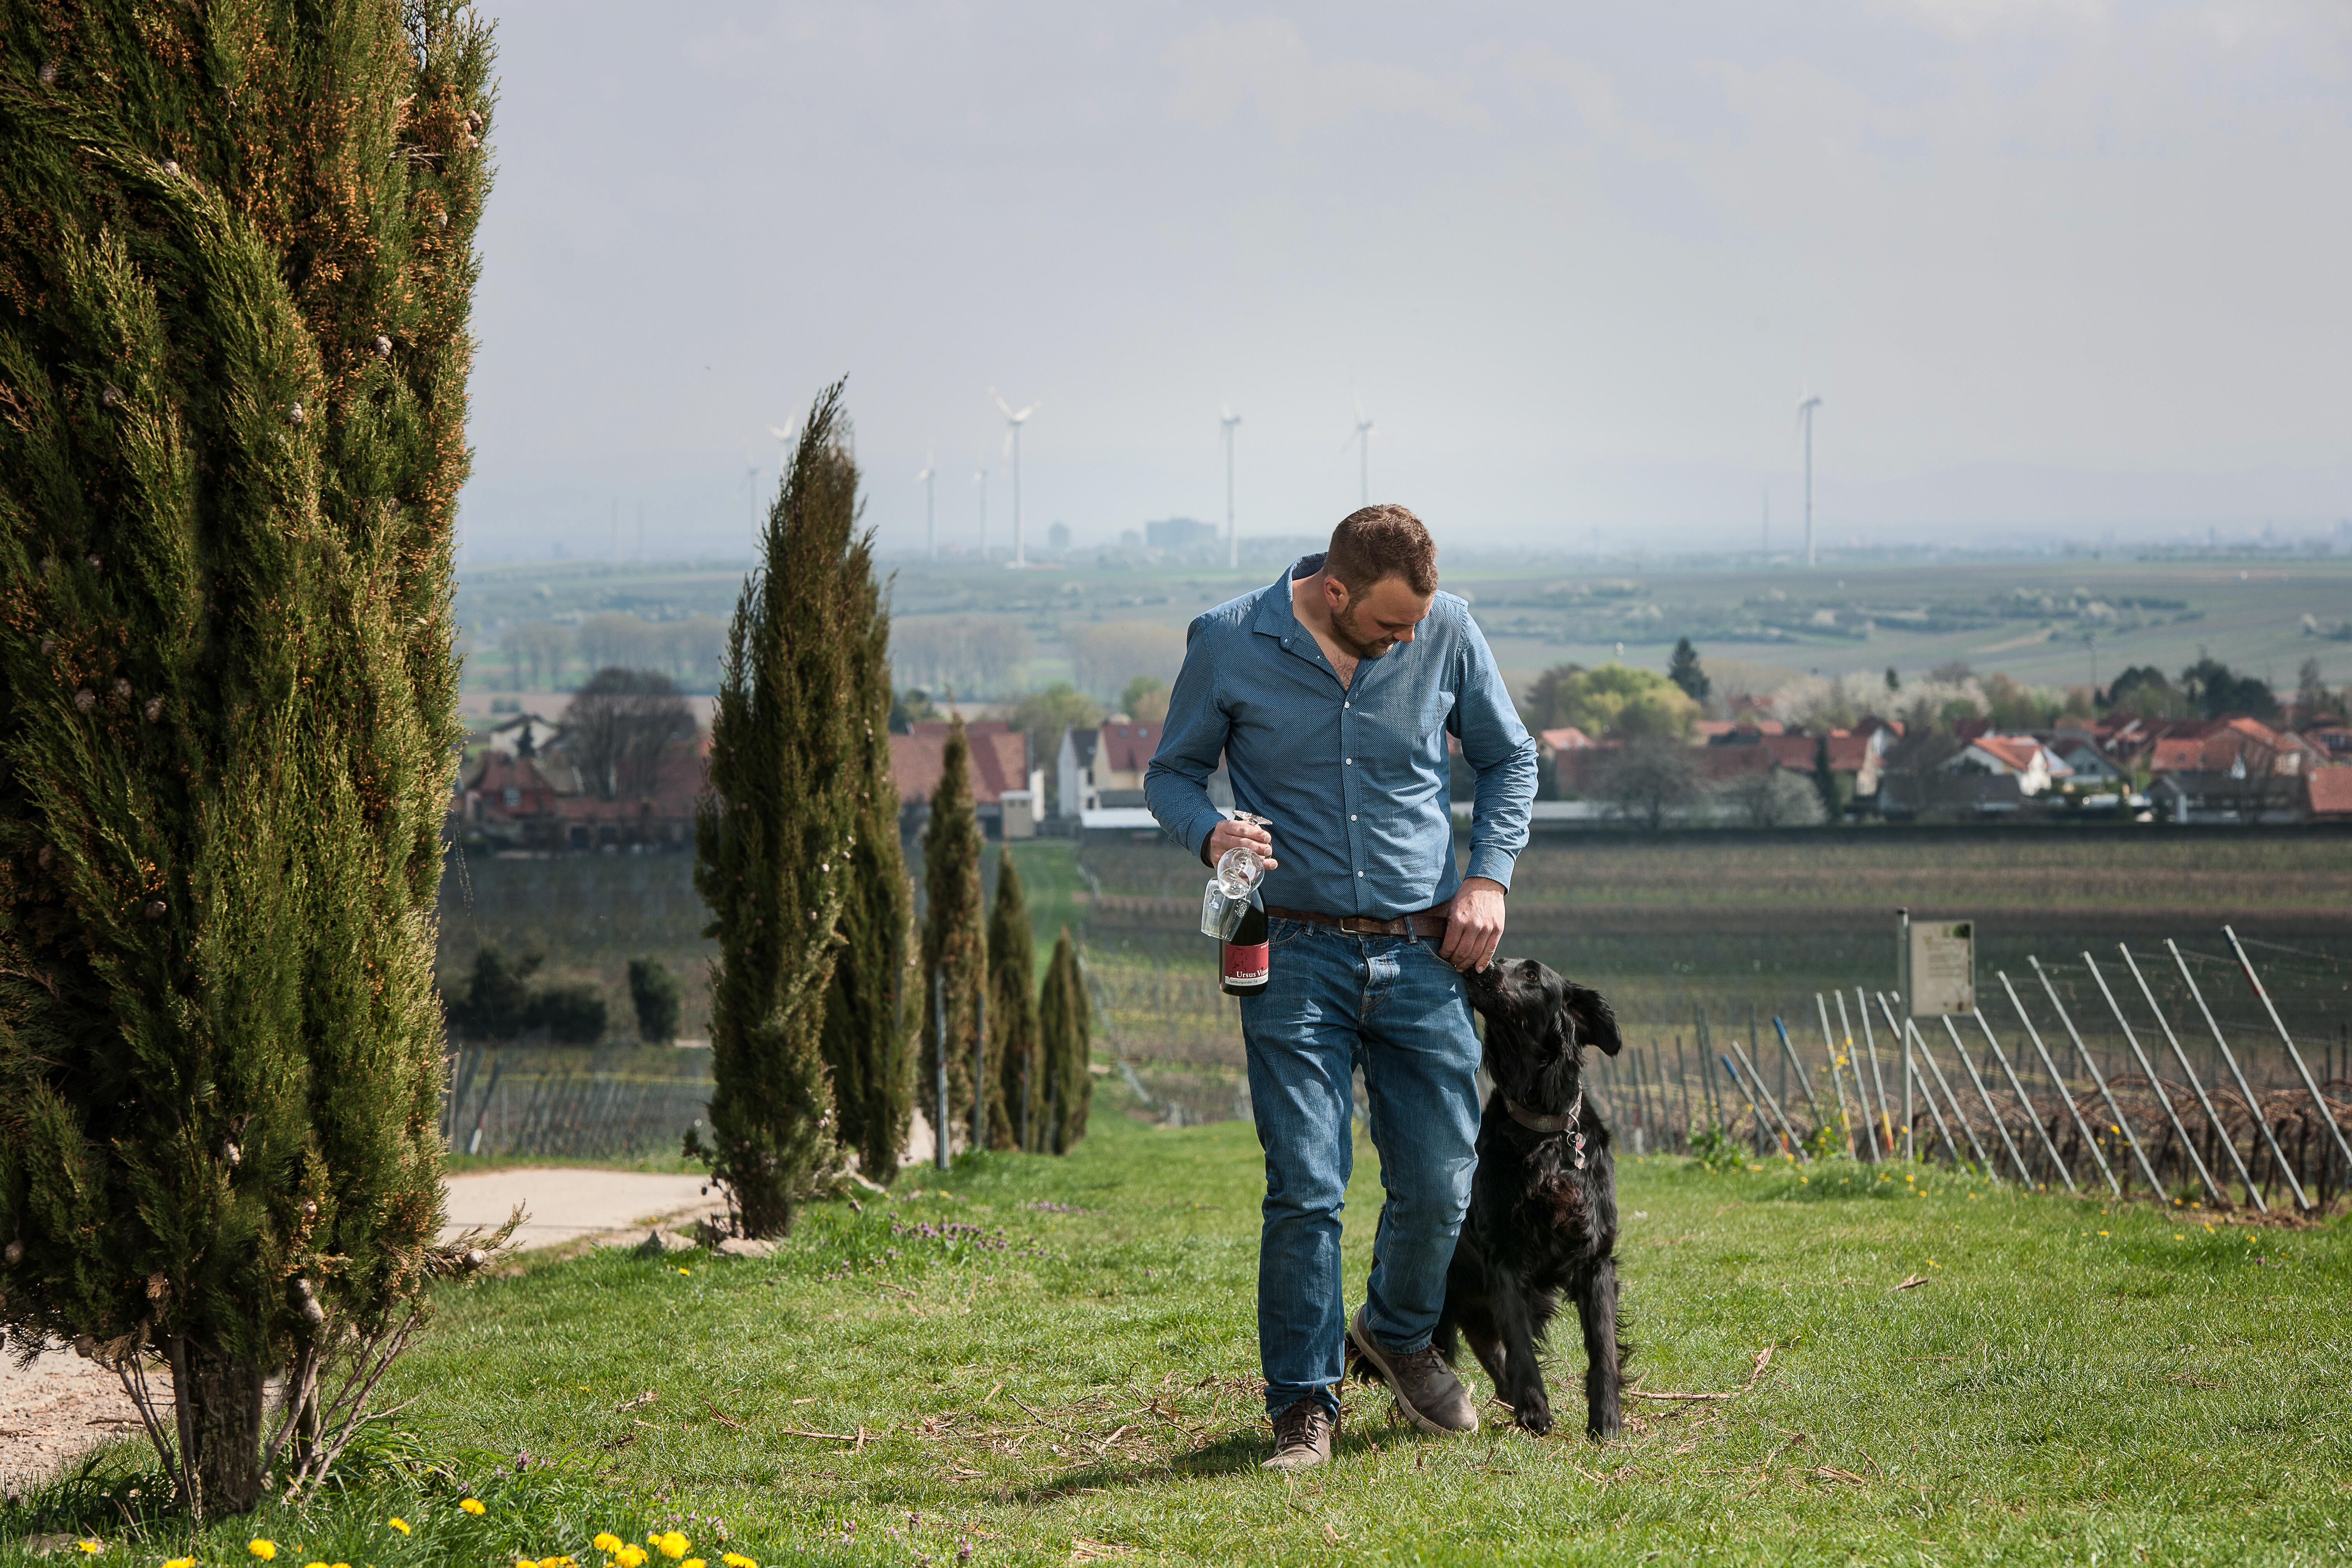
(1128, 748)
(1567, 738)
(2331, 792)
(1848, 751)
(999, 760)
(2016, 754)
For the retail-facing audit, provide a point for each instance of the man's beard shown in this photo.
(1344, 626)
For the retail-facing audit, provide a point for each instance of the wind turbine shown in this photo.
(1232, 541)
(1013, 423)
(1362, 440)
(931, 523)
(785, 436)
(752, 489)
(1805, 418)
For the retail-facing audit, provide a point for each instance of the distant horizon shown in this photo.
(2288, 538)
(2053, 269)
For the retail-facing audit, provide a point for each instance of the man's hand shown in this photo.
(1229, 834)
(1474, 924)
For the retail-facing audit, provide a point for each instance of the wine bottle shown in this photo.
(1245, 955)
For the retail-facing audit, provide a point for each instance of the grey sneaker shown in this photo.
(1302, 1436)
(1432, 1397)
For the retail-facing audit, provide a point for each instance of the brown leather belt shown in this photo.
(1427, 923)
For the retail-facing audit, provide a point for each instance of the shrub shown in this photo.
(654, 992)
(571, 1015)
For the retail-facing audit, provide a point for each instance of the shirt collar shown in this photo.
(1275, 615)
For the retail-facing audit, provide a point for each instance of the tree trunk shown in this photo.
(221, 1397)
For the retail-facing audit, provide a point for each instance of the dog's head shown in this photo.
(1538, 1023)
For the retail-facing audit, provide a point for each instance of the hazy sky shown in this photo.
(2052, 262)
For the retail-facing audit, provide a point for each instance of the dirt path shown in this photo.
(61, 1405)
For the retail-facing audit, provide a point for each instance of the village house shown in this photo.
(525, 793)
(2329, 794)
(1008, 793)
(2021, 757)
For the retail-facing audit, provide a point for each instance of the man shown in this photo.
(1330, 695)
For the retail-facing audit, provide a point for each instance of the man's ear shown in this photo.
(1596, 1025)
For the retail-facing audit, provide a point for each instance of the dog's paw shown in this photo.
(1536, 1417)
(1605, 1429)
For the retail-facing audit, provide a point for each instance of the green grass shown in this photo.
(2069, 1383)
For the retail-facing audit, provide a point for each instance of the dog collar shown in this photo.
(1561, 1123)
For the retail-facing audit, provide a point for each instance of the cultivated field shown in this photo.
(1746, 925)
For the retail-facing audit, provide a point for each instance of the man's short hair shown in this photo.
(1382, 542)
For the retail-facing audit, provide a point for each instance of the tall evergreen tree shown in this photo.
(773, 836)
(235, 262)
(1825, 781)
(1079, 1039)
(1684, 671)
(869, 1017)
(954, 952)
(1012, 1014)
(1064, 1026)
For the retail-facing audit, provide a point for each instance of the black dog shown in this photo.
(1543, 1206)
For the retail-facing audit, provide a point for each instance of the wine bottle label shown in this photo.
(1245, 965)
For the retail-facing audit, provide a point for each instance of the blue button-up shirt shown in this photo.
(1354, 778)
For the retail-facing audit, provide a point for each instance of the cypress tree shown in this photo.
(235, 262)
(772, 837)
(1825, 781)
(954, 953)
(1012, 1014)
(1078, 1040)
(869, 1044)
(1065, 1022)
(1685, 672)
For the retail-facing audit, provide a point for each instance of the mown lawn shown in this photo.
(1055, 1363)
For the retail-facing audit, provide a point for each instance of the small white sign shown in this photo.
(1943, 966)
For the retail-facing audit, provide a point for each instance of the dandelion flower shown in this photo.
(92, 1547)
(314, 1566)
(737, 1560)
(607, 1542)
(399, 1524)
(265, 1550)
(473, 1505)
(671, 1544)
(630, 1557)
(691, 1563)
(686, 1271)
(180, 1563)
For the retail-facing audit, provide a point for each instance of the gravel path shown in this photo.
(61, 1405)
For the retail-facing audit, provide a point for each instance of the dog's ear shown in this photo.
(1596, 1025)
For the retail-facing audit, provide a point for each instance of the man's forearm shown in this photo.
(1501, 804)
(1180, 805)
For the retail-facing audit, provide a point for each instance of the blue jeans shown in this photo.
(1334, 1002)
